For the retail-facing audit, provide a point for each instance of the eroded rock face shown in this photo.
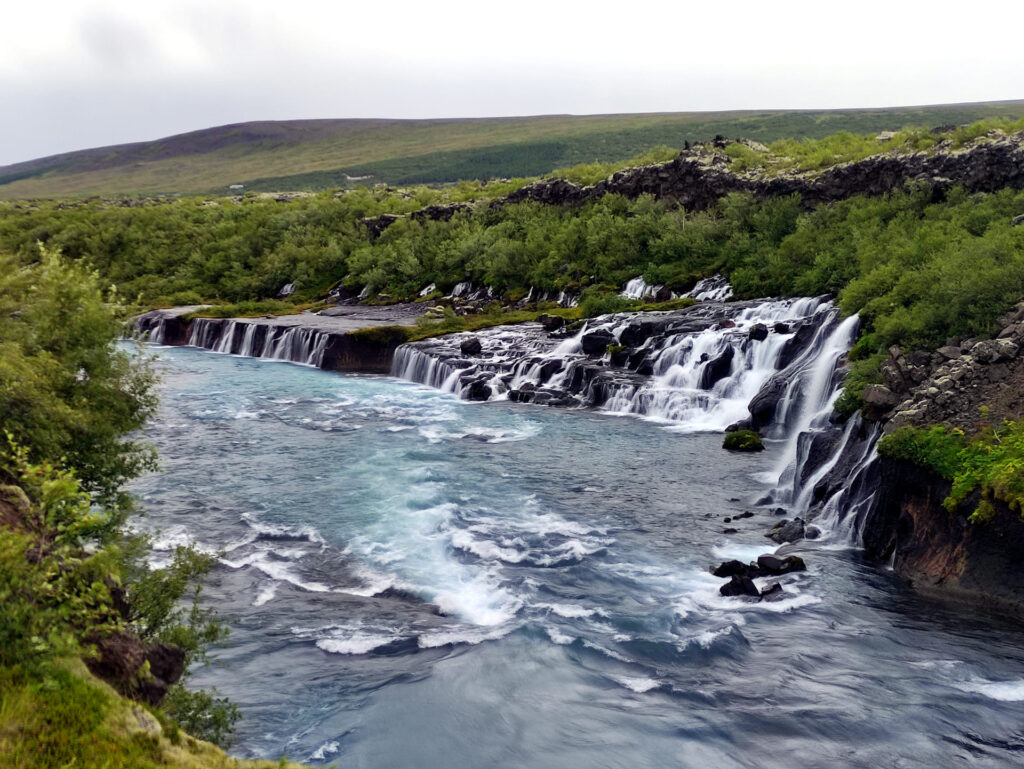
(700, 176)
(952, 385)
(941, 551)
(122, 662)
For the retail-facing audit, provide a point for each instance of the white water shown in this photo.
(254, 340)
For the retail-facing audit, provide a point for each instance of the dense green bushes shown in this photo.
(69, 399)
(991, 462)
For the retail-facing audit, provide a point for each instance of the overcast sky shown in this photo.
(87, 73)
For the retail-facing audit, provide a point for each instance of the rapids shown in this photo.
(416, 580)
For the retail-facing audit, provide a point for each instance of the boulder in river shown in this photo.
(787, 531)
(776, 565)
(471, 346)
(739, 585)
(596, 342)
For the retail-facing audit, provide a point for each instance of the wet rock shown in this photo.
(758, 332)
(787, 531)
(730, 569)
(811, 532)
(743, 424)
(776, 566)
(728, 519)
(551, 322)
(762, 406)
(745, 514)
(717, 368)
(740, 585)
(478, 390)
(796, 344)
(549, 368)
(596, 342)
(471, 346)
(781, 328)
(773, 592)
(730, 531)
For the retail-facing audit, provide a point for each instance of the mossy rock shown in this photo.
(743, 440)
(382, 336)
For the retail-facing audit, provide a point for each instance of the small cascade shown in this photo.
(698, 367)
(713, 289)
(258, 340)
(638, 288)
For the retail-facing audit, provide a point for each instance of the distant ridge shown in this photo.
(321, 154)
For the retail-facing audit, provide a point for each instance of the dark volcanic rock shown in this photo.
(941, 551)
(776, 566)
(795, 345)
(762, 406)
(716, 369)
(478, 390)
(739, 585)
(551, 322)
(773, 592)
(596, 342)
(730, 569)
(471, 346)
(758, 332)
(787, 531)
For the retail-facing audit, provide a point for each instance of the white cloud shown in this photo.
(89, 72)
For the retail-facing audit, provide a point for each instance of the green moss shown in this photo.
(61, 716)
(990, 462)
(743, 440)
(383, 336)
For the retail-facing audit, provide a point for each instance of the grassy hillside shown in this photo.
(320, 154)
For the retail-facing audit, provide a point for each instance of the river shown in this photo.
(412, 580)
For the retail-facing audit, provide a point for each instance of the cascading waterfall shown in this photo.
(699, 369)
(255, 340)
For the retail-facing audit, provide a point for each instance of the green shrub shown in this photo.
(991, 462)
(742, 440)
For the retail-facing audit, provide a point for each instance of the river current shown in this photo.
(412, 580)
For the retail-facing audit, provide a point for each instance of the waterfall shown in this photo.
(638, 288)
(774, 365)
(259, 340)
(713, 289)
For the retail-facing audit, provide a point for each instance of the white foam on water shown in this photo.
(277, 570)
(558, 637)
(470, 636)
(569, 611)
(356, 643)
(327, 749)
(638, 684)
(734, 551)
(265, 595)
(1004, 691)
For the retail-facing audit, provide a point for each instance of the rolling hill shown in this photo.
(322, 154)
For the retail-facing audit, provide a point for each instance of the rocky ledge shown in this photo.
(700, 176)
(965, 384)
